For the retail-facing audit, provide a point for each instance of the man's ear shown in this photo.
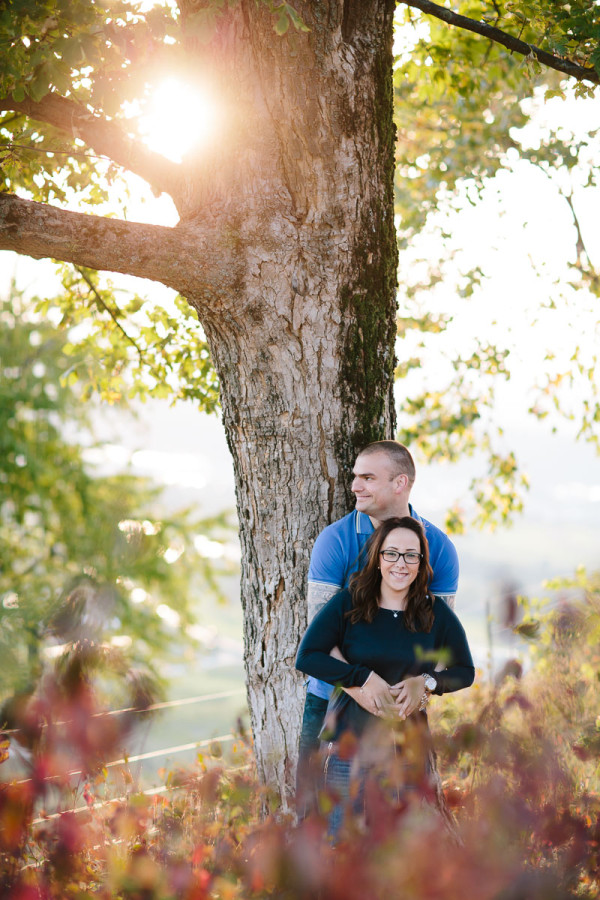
(401, 483)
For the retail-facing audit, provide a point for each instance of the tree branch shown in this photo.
(580, 245)
(172, 256)
(106, 138)
(566, 66)
(102, 305)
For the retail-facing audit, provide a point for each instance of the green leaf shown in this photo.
(40, 85)
(529, 630)
(72, 52)
(296, 19)
(554, 92)
(283, 23)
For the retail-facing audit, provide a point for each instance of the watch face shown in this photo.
(430, 683)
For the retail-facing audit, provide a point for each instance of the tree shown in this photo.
(569, 30)
(285, 247)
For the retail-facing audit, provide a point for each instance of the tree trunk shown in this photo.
(305, 350)
(287, 250)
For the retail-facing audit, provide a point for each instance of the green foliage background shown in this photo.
(74, 545)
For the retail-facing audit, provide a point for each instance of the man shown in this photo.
(384, 474)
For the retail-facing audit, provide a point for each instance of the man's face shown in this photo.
(375, 486)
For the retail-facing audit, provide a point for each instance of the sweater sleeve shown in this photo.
(460, 671)
(325, 632)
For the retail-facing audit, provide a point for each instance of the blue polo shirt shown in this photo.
(337, 552)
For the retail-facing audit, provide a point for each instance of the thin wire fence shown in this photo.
(151, 754)
(148, 792)
(167, 704)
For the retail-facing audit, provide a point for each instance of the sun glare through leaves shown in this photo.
(179, 119)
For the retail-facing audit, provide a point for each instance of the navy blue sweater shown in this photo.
(384, 646)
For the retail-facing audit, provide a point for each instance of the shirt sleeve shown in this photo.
(460, 671)
(325, 571)
(329, 557)
(445, 569)
(325, 632)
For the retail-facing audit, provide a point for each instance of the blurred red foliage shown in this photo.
(521, 760)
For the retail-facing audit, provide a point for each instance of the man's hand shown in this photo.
(374, 696)
(408, 695)
(361, 697)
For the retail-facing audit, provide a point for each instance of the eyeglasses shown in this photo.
(411, 557)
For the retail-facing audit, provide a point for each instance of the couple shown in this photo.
(389, 628)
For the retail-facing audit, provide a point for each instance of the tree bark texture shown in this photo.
(286, 248)
(305, 351)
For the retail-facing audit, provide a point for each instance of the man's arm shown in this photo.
(449, 599)
(318, 594)
(445, 564)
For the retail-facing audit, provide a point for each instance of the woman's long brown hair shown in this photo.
(365, 585)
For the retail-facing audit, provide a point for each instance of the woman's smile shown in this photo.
(397, 575)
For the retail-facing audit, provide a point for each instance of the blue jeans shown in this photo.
(338, 776)
(347, 780)
(308, 774)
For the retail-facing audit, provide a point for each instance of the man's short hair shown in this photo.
(398, 455)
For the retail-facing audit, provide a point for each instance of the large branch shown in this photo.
(186, 258)
(581, 73)
(106, 138)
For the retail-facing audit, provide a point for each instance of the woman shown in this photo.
(399, 644)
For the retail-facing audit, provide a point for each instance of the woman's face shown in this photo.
(398, 575)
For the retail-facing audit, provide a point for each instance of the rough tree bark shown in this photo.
(286, 248)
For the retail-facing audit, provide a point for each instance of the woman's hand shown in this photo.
(408, 695)
(374, 696)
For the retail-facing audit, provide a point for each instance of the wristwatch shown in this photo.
(430, 683)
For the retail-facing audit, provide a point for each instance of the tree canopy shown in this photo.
(75, 82)
(469, 114)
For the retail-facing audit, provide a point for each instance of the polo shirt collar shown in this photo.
(365, 526)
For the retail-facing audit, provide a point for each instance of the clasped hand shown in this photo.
(382, 699)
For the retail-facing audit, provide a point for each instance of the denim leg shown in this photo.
(340, 775)
(308, 779)
(312, 722)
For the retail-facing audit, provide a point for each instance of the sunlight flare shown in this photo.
(180, 118)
